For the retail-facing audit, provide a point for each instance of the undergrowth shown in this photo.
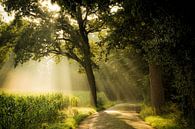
(170, 118)
(45, 111)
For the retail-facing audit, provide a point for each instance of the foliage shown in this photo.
(50, 111)
(83, 99)
(146, 111)
(171, 118)
(127, 69)
(73, 116)
(162, 123)
(63, 35)
(30, 111)
(162, 34)
(103, 102)
(76, 115)
(8, 35)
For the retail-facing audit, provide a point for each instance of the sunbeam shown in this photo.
(118, 79)
(44, 76)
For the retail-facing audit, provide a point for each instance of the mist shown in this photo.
(117, 78)
(42, 77)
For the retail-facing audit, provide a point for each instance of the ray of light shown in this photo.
(50, 6)
(44, 76)
(117, 78)
(5, 17)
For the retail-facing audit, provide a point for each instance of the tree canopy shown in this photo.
(159, 32)
(63, 33)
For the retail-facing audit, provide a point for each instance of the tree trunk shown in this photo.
(156, 87)
(92, 84)
(85, 48)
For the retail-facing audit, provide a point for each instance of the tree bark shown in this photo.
(156, 87)
(85, 48)
(92, 84)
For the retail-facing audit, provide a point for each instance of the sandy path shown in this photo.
(120, 116)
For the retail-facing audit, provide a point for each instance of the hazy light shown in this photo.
(114, 9)
(92, 16)
(118, 79)
(5, 17)
(50, 6)
(39, 77)
(43, 77)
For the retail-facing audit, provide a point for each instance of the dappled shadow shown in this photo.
(126, 107)
(121, 116)
(110, 121)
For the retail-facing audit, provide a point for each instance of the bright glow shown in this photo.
(118, 79)
(6, 18)
(92, 16)
(50, 6)
(114, 9)
(43, 77)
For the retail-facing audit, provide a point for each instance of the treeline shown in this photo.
(161, 33)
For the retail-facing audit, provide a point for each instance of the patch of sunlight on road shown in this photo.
(115, 118)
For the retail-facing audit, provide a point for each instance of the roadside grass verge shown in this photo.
(46, 111)
(171, 118)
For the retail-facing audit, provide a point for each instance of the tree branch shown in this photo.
(96, 28)
(67, 54)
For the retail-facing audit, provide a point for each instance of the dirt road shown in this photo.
(120, 116)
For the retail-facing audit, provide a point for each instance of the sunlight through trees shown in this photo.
(100, 52)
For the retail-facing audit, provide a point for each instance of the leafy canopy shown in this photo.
(62, 33)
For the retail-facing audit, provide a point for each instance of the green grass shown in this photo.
(103, 102)
(37, 111)
(84, 99)
(30, 111)
(46, 111)
(170, 118)
(73, 117)
(162, 122)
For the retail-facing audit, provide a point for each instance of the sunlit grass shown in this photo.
(160, 122)
(48, 110)
(41, 111)
(73, 116)
(170, 118)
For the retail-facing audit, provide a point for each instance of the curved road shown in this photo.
(120, 116)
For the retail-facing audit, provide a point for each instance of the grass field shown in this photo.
(46, 111)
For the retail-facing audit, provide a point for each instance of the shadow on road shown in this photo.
(120, 116)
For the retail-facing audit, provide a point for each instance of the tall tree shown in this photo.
(64, 35)
(152, 32)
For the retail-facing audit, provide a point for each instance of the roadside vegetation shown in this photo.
(170, 118)
(44, 111)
